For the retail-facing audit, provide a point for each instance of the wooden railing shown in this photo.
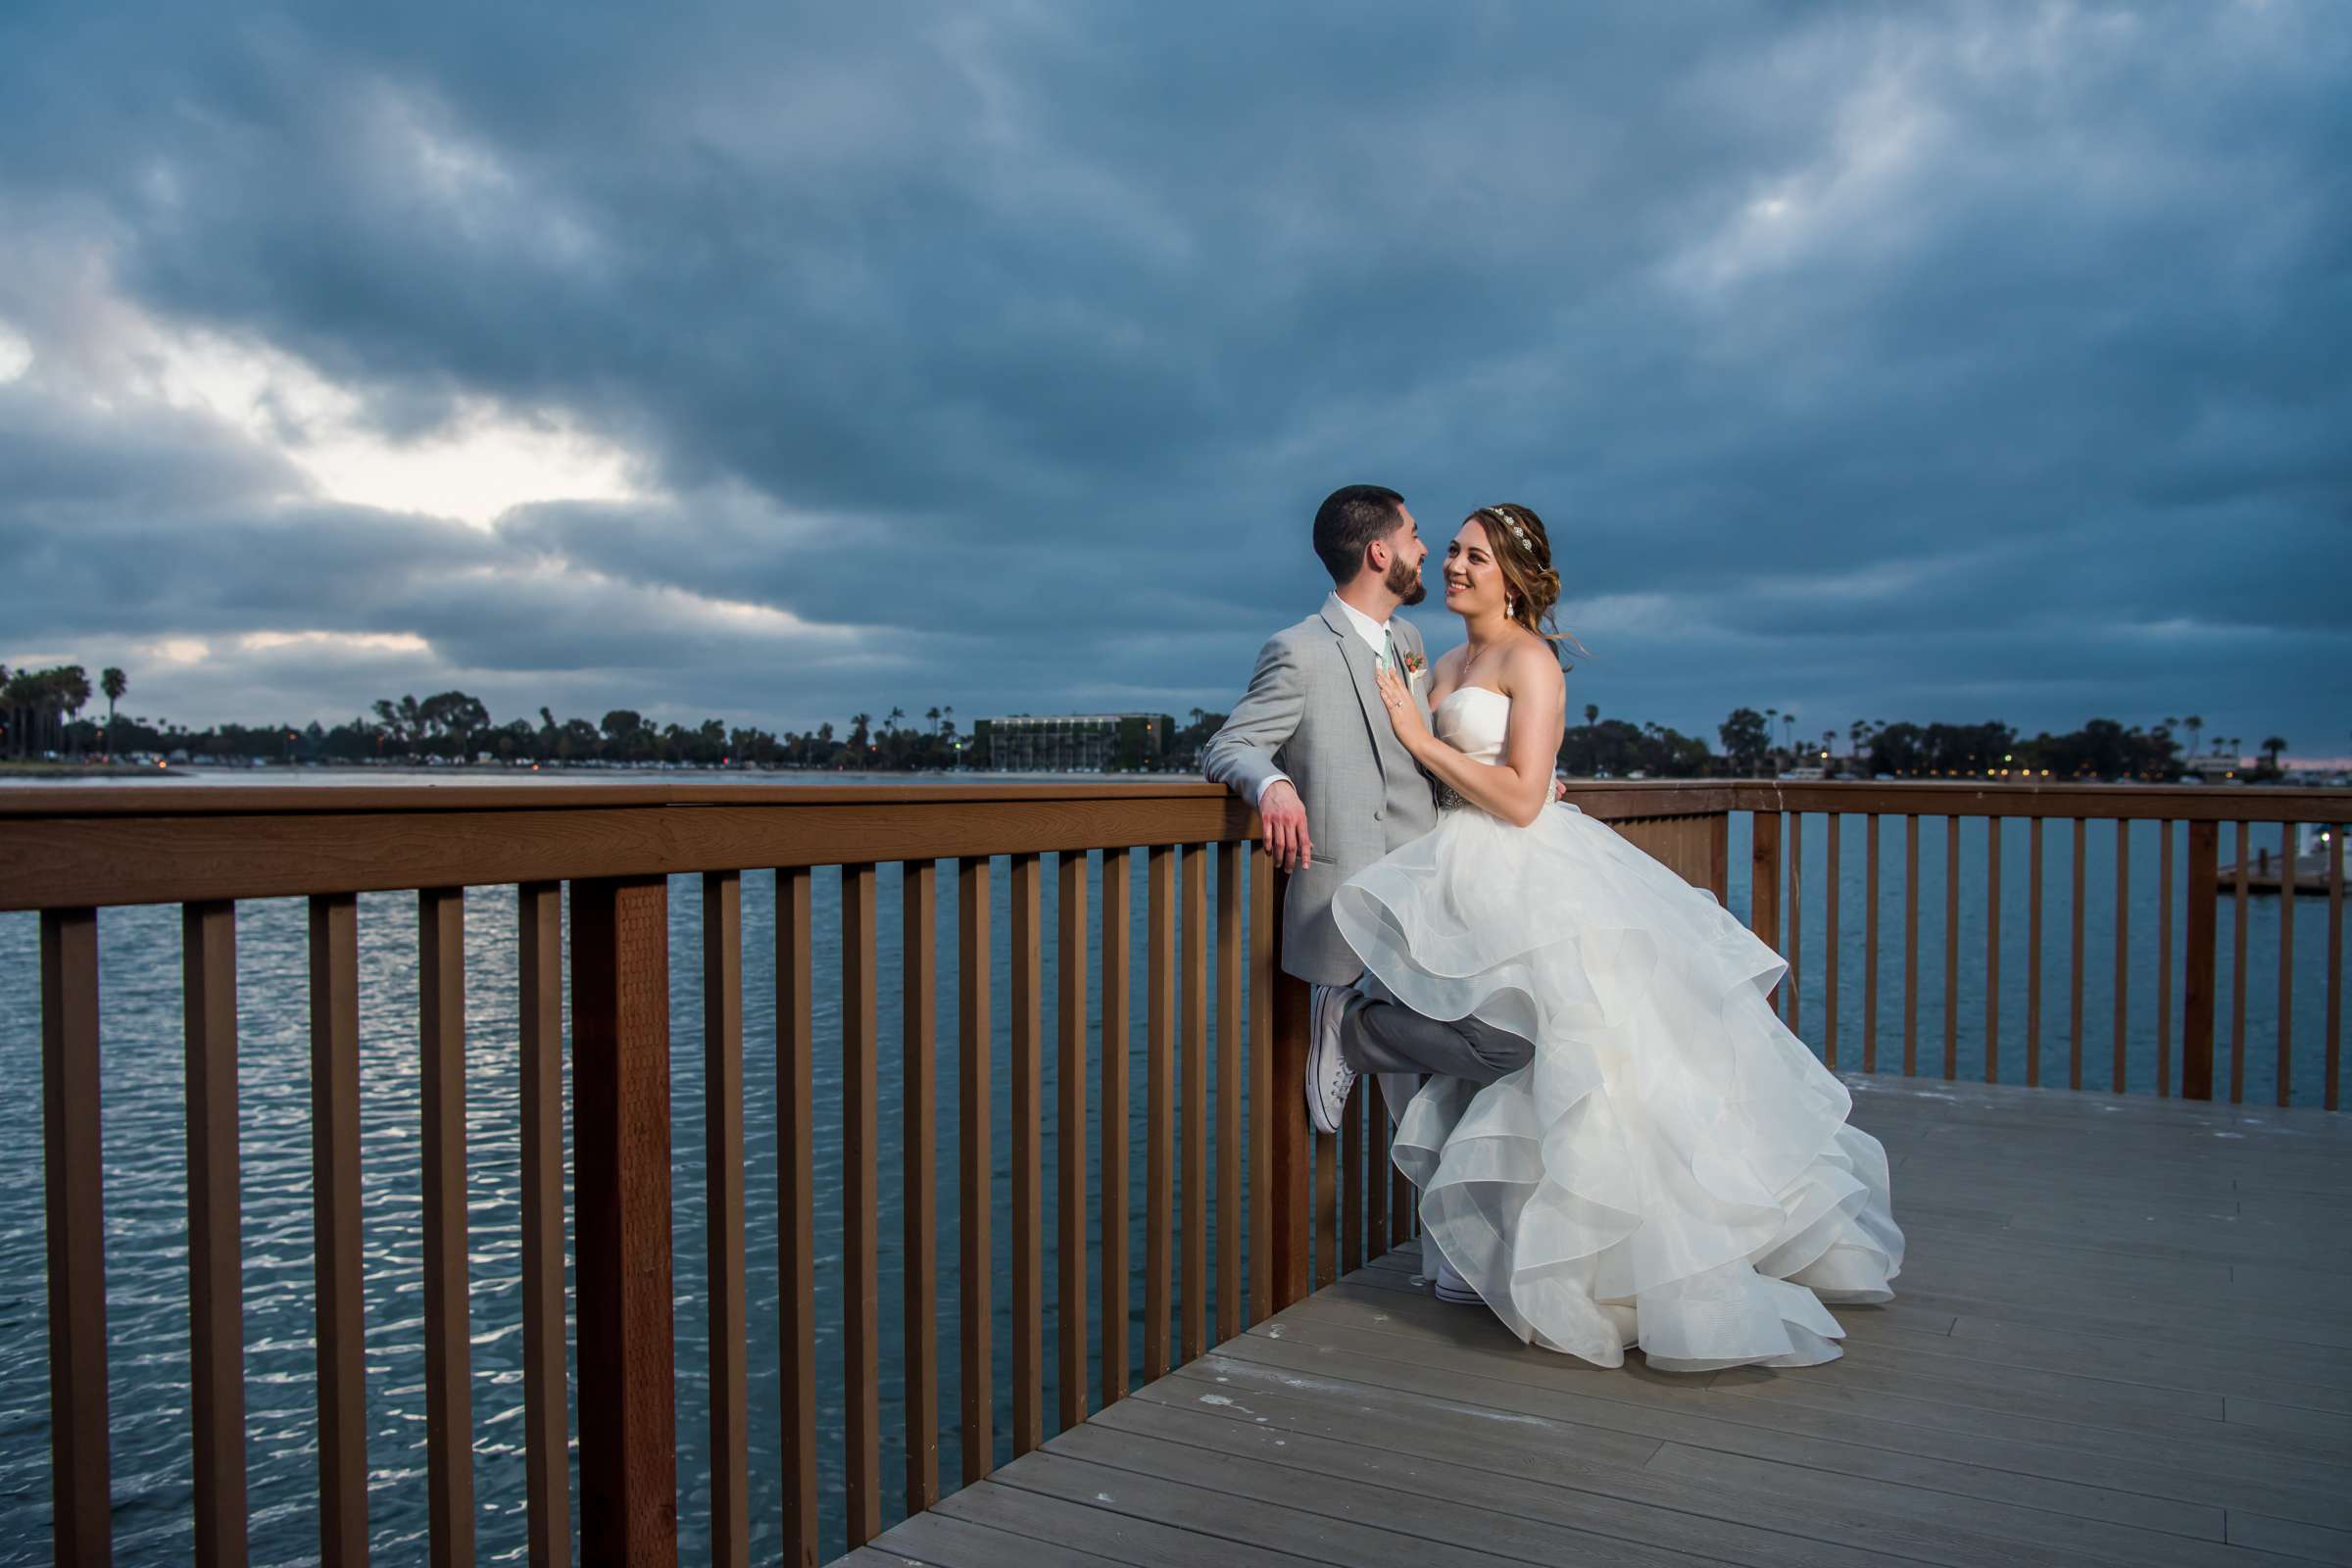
(1309, 1211)
(2189, 818)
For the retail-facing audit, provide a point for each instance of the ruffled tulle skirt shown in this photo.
(1674, 1169)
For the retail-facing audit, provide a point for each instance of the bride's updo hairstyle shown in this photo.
(1521, 548)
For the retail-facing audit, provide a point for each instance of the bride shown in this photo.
(1672, 1169)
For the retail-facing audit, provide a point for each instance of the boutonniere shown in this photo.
(1415, 666)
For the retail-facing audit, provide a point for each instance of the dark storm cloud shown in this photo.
(1872, 361)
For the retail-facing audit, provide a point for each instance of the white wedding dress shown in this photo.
(1674, 1169)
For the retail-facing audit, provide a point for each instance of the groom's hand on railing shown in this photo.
(1283, 816)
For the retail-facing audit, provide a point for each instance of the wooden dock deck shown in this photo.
(2123, 1335)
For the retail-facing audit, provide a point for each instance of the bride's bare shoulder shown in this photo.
(1532, 668)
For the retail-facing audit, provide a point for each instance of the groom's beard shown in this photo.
(1404, 581)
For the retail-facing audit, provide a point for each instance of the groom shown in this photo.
(1311, 747)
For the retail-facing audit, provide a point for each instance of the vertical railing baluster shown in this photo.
(1070, 964)
(976, 1175)
(1797, 915)
(1719, 856)
(2335, 963)
(2287, 889)
(1833, 827)
(1027, 1070)
(2237, 964)
(1352, 1179)
(860, 1194)
(621, 1219)
(1326, 1152)
(1764, 881)
(1116, 934)
(1194, 1322)
(1870, 943)
(2074, 1029)
(1993, 950)
(1376, 1173)
(722, 1218)
(2197, 985)
(2123, 944)
(73, 1173)
(918, 1136)
(216, 1274)
(2163, 958)
(1291, 1164)
(2034, 953)
(1951, 947)
(1911, 944)
(448, 1319)
(546, 1399)
(796, 1207)
(338, 1283)
(1262, 917)
(860, 1189)
(1159, 1104)
(1228, 1091)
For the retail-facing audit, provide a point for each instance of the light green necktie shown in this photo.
(1388, 651)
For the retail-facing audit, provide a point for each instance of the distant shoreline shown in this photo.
(129, 774)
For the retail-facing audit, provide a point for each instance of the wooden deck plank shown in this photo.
(1239, 1501)
(1041, 1516)
(1789, 1499)
(2119, 1460)
(948, 1541)
(2119, 1338)
(1477, 1479)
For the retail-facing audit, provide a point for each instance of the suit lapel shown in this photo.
(1360, 661)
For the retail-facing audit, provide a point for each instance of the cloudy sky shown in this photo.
(1932, 361)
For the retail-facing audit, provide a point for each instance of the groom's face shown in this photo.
(1406, 552)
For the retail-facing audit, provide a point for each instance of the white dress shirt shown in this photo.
(1375, 634)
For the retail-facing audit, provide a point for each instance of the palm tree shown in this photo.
(114, 683)
(2196, 727)
(1591, 714)
(2274, 745)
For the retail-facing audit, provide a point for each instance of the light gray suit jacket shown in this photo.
(1312, 712)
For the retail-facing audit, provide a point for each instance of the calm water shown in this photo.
(146, 1210)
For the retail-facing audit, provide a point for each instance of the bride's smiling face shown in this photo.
(1474, 584)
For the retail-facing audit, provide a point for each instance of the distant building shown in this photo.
(1072, 743)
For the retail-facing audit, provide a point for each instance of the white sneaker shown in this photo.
(1329, 1078)
(1451, 1287)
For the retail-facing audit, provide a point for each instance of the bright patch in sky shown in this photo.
(382, 642)
(482, 460)
(16, 355)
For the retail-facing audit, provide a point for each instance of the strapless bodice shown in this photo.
(1474, 720)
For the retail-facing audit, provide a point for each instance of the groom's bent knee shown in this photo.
(1498, 1051)
(1379, 1036)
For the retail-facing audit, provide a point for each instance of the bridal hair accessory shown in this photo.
(1518, 532)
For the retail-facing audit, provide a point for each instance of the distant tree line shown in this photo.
(40, 709)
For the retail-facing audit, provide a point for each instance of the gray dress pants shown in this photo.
(1386, 1037)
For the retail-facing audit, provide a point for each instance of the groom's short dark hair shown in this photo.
(1349, 520)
